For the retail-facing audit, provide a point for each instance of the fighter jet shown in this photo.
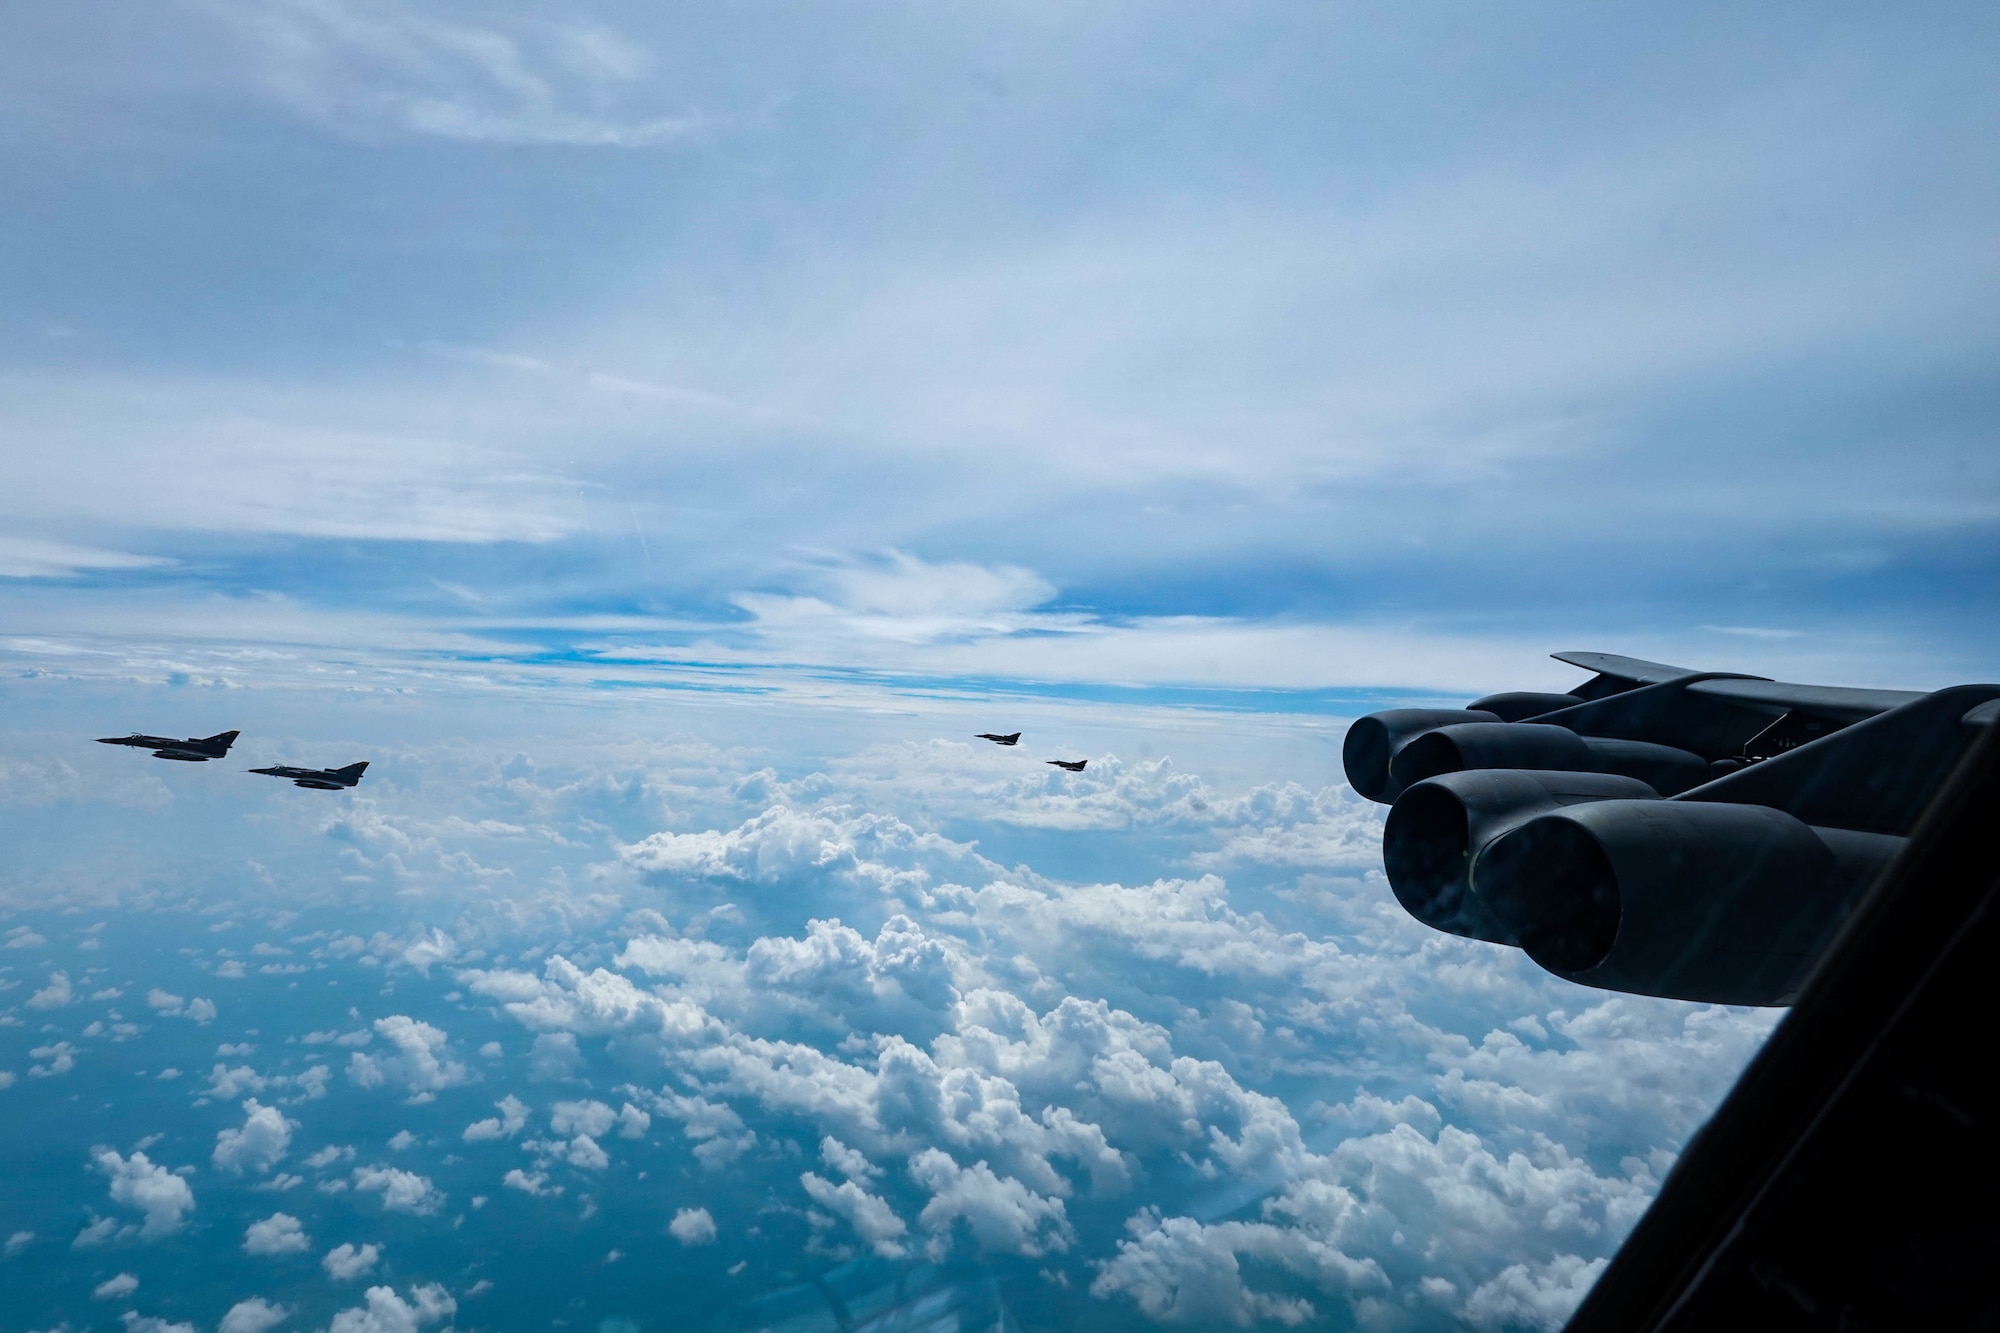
(1699, 835)
(191, 751)
(1073, 765)
(319, 779)
(1011, 738)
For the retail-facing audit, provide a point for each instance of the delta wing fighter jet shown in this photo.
(191, 751)
(319, 779)
(1699, 835)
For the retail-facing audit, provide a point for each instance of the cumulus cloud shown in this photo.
(265, 1136)
(280, 1233)
(173, 1006)
(693, 1226)
(512, 1118)
(418, 1063)
(1535, 1296)
(584, 1117)
(401, 1191)
(1003, 1215)
(56, 1060)
(870, 1215)
(137, 1323)
(255, 1315)
(344, 1262)
(137, 1182)
(386, 1312)
(114, 1288)
(530, 1182)
(52, 996)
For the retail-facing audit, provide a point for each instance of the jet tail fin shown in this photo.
(352, 773)
(223, 738)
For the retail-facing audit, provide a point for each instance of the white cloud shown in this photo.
(692, 1226)
(60, 1058)
(418, 1064)
(137, 1323)
(52, 996)
(31, 558)
(327, 1156)
(21, 937)
(18, 1241)
(535, 1182)
(255, 1315)
(1179, 1272)
(1542, 1296)
(1003, 1215)
(170, 1005)
(870, 1215)
(585, 1117)
(513, 1116)
(401, 1191)
(113, 1288)
(584, 1153)
(226, 1084)
(386, 1312)
(258, 1145)
(280, 1233)
(850, 1163)
(98, 1231)
(345, 1262)
(369, 69)
(136, 1182)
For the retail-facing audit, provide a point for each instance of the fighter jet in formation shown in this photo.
(319, 779)
(1073, 765)
(1699, 835)
(1011, 738)
(191, 751)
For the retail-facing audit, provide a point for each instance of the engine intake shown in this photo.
(1438, 825)
(1729, 904)
(1455, 748)
(1372, 743)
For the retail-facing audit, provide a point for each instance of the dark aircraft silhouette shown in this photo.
(1699, 835)
(191, 751)
(1012, 738)
(1073, 765)
(319, 779)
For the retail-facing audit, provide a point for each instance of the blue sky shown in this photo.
(1271, 348)
(657, 436)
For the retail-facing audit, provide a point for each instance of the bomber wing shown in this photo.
(1658, 830)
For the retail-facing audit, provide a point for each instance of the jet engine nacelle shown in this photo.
(1438, 826)
(1538, 745)
(1729, 904)
(1373, 741)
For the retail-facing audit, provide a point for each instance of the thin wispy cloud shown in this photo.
(372, 68)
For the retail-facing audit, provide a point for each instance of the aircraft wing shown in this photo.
(1635, 669)
(1837, 703)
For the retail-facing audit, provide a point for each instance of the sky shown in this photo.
(657, 437)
